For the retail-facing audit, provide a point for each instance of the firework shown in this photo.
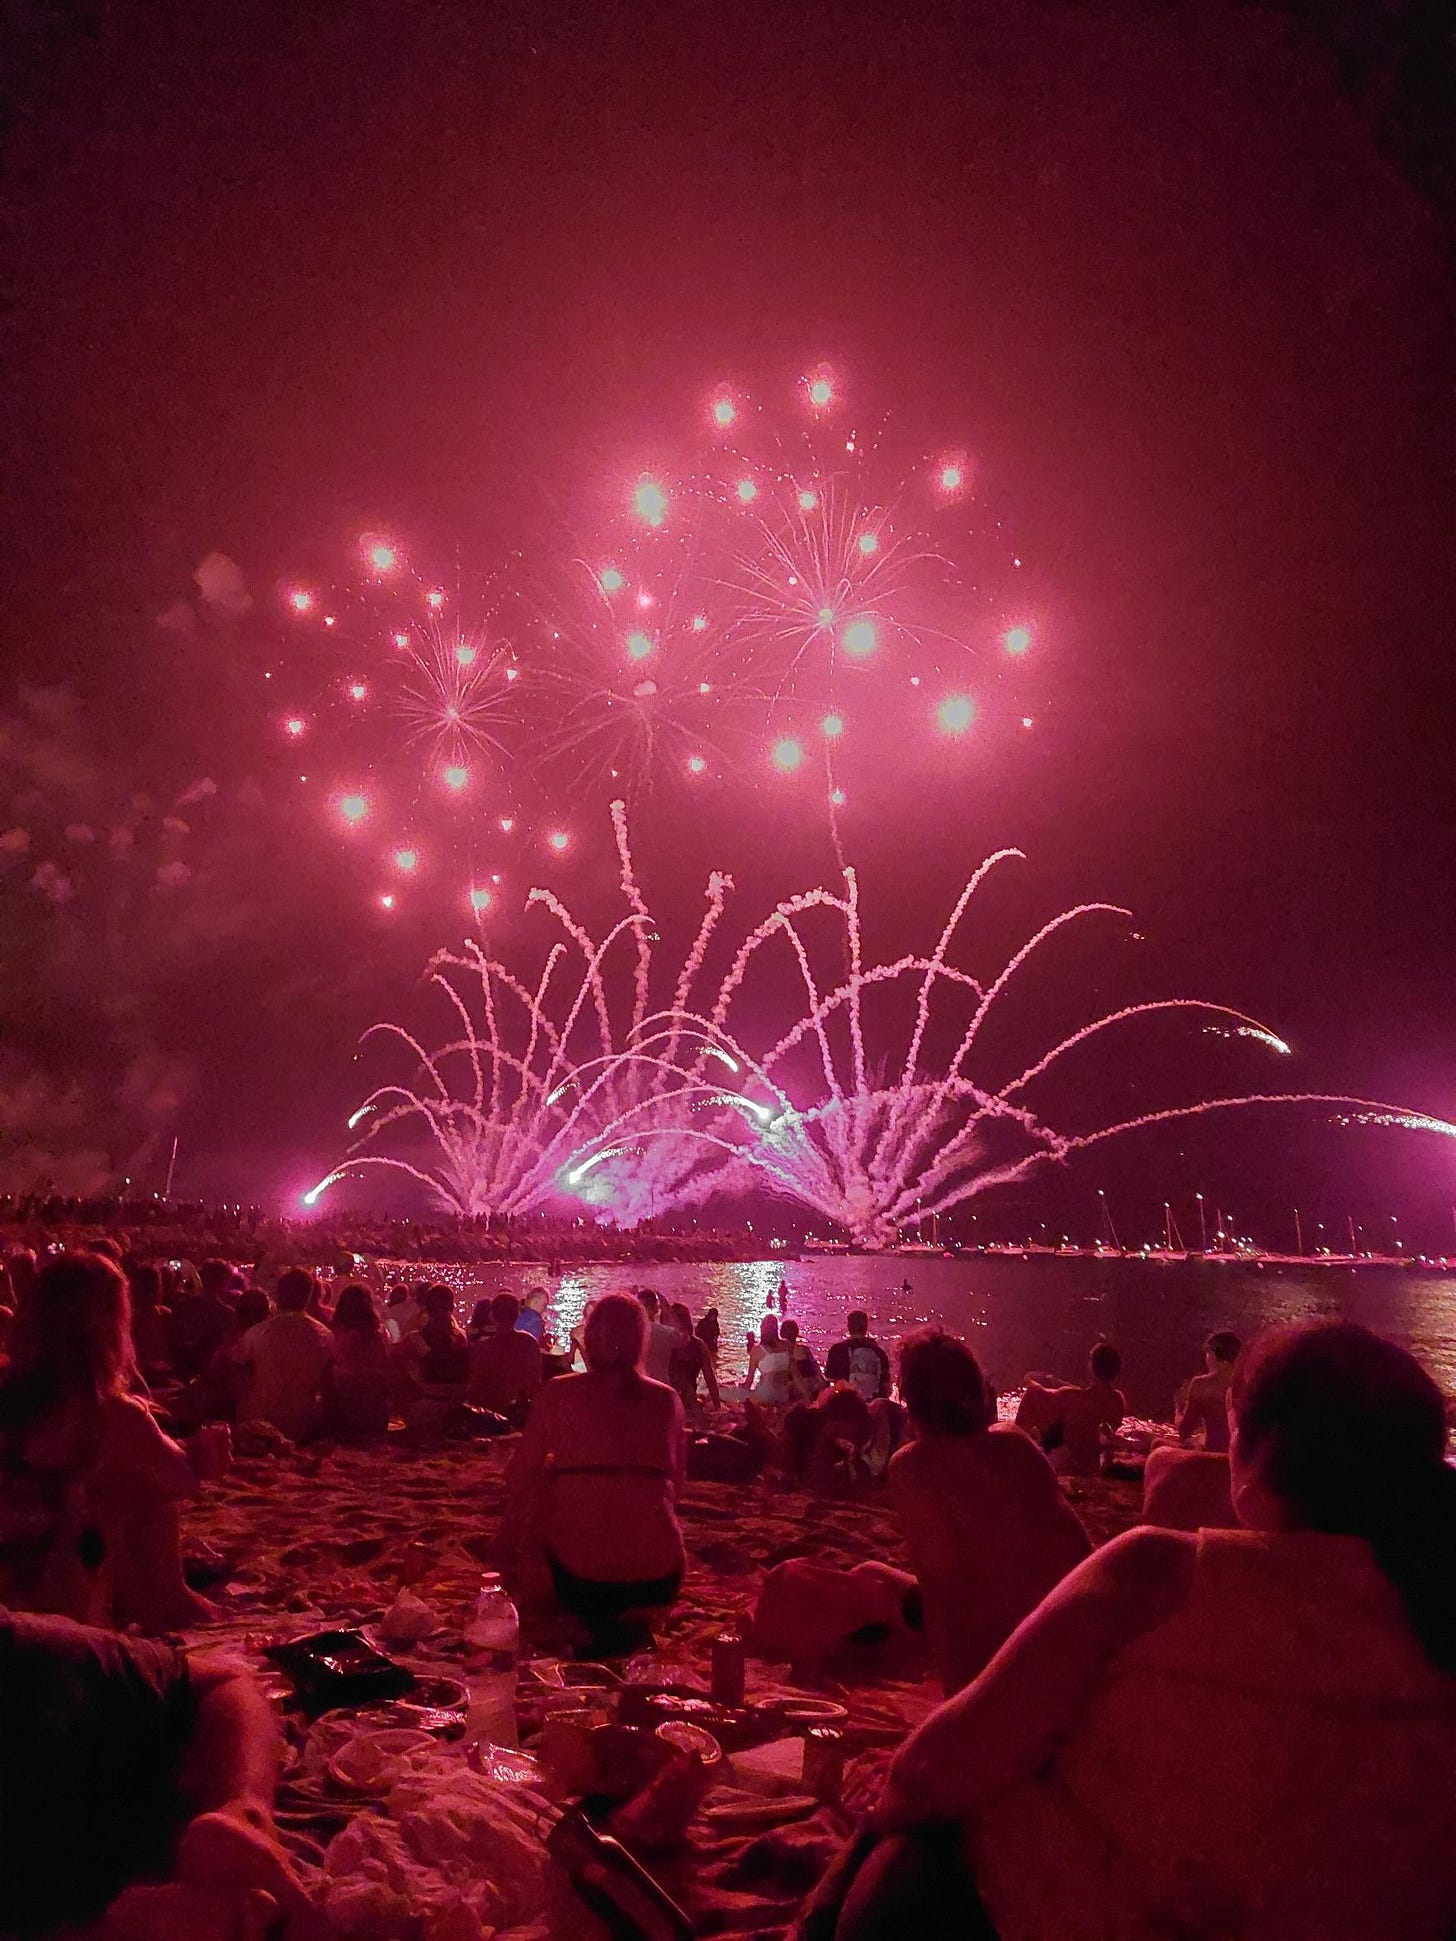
(551, 1088)
(874, 1146)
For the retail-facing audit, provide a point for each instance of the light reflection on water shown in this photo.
(1018, 1315)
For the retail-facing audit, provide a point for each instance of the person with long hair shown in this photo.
(984, 1519)
(597, 1476)
(89, 1484)
(356, 1379)
(1240, 1732)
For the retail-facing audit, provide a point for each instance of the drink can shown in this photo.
(824, 1763)
(729, 1670)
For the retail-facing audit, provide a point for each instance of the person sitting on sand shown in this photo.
(983, 1516)
(150, 1321)
(804, 1377)
(661, 1339)
(1204, 1402)
(839, 1444)
(356, 1377)
(859, 1359)
(198, 1318)
(286, 1356)
(505, 1364)
(533, 1314)
(1073, 1424)
(1322, 1797)
(441, 1352)
(89, 1484)
(136, 1788)
(769, 1365)
(690, 1361)
(597, 1476)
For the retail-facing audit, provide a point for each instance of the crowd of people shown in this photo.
(1173, 1734)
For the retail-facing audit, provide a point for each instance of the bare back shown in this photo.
(989, 1533)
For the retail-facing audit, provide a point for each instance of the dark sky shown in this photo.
(281, 273)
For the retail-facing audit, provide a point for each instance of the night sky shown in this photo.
(279, 275)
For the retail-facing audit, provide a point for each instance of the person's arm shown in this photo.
(886, 1374)
(526, 1472)
(137, 1444)
(1189, 1417)
(836, 1364)
(710, 1374)
(679, 1449)
(1007, 1724)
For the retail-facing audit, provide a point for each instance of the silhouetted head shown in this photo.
(1105, 1362)
(858, 1322)
(355, 1309)
(505, 1311)
(1222, 1348)
(768, 1331)
(615, 1336)
(648, 1297)
(1337, 1430)
(295, 1288)
(72, 1330)
(789, 1331)
(942, 1385)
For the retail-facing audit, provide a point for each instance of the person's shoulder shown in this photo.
(1145, 1562)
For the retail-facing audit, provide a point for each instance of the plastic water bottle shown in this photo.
(494, 1630)
(496, 1625)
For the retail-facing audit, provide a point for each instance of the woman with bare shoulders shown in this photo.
(987, 1527)
(1235, 1732)
(597, 1474)
(89, 1484)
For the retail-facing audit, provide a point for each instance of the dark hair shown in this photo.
(1223, 1344)
(1105, 1362)
(146, 1285)
(438, 1300)
(942, 1385)
(108, 1248)
(858, 1322)
(355, 1309)
(789, 1330)
(1350, 1432)
(252, 1307)
(215, 1275)
(505, 1309)
(768, 1330)
(480, 1317)
(293, 1290)
(614, 1338)
(72, 1331)
(648, 1297)
(681, 1314)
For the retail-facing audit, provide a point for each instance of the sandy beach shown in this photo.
(400, 1837)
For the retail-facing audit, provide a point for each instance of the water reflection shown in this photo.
(1017, 1314)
